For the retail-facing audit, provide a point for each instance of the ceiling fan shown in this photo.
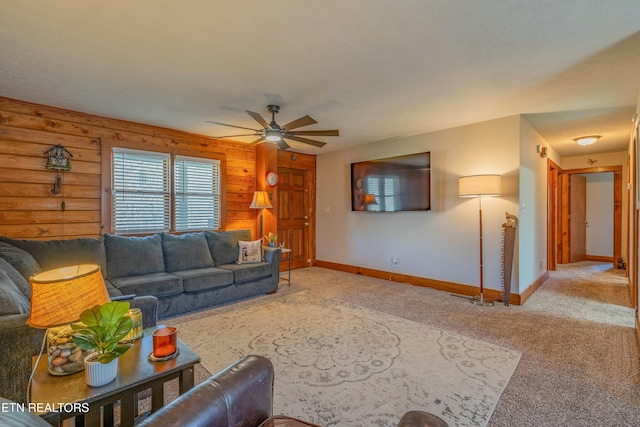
(276, 133)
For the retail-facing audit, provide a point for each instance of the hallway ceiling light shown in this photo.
(587, 140)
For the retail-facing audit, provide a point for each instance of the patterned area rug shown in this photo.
(338, 364)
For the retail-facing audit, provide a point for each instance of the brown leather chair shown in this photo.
(241, 395)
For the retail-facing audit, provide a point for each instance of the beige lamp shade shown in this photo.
(480, 185)
(260, 200)
(59, 296)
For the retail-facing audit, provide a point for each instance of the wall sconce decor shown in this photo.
(541, 150)
(58, 160)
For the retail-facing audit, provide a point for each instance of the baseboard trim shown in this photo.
(456, 288)
(599, 258)
(534, 286)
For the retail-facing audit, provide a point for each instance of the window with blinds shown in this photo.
(140, 191)
(142, 198)
(196, 193)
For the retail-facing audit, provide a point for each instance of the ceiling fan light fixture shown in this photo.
(587, 140)
(272, 135)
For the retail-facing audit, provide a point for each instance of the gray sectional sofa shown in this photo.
(167, 274)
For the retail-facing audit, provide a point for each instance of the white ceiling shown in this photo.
(374, 69)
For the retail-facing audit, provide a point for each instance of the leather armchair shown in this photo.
(241, 395)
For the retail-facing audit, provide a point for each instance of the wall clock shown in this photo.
(272, 179)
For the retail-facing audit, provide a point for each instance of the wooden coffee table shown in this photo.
(135, 374)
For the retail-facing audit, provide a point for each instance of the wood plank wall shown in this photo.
(28, 209)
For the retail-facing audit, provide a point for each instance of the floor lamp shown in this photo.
(260, 201)
(479, 186)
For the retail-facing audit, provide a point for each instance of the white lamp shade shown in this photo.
(480, 185)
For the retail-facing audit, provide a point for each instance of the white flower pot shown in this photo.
(98, 374)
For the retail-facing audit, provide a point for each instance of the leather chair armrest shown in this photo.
(239, 395)
(421, 419)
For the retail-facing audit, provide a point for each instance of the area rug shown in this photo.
(337, 364)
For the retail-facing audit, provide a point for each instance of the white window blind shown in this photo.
(385, 189)
(196, 193)
(140, 191)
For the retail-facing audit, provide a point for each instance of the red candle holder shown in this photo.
(165, 341)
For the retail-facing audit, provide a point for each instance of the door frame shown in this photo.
(562, 190)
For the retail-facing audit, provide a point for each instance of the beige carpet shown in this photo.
(580, 363)
(338, 364)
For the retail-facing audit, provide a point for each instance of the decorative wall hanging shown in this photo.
(58, 159)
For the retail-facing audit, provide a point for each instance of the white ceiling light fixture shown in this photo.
(587, 140)
(273, 135)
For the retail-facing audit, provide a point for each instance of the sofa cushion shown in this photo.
(20, 259)
(202, 279)
(246, 272)
(224, 245)
(52, 254)
(21, 283)
(11, 299)
(185, 252)
(156, 284)
(133, 256)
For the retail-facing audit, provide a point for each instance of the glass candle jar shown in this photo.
(136, 326)
(63, 356)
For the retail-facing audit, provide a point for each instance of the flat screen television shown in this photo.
(392, 184)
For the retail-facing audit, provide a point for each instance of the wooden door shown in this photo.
(577, 218)
(294, 213)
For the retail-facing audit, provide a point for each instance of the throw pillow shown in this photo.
(249, 252)
(20, 259)
(133, 256)
(223, 245)
(17, 278)
(186, 252)
(11, 299)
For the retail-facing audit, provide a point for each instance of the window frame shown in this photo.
(107, 177)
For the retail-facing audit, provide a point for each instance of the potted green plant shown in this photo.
(100, 330)
(272, 238)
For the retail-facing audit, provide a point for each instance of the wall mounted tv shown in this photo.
(393, 184)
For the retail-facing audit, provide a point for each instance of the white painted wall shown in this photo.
(441, 244)
(599, 207)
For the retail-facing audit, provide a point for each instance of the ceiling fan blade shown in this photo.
(258, 118)
(283, 145)
(233, 126)
(251, 144)
(334, 132)
(233, 136)
(302, 121)
(307, 141)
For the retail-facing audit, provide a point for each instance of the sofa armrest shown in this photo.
(273, 256)
(148, 305)
(421, 419)
(20, 342)
(239, 395)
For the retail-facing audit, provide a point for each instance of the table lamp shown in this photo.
(58, 297)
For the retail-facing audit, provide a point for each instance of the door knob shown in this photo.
(306, 224)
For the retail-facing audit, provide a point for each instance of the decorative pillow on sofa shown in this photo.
(20, 259)
(133, 256)
(185, 252)
(11, 299)
(224, 245)
(249, 252)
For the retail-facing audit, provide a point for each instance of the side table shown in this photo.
(135, 374)
(288, 279)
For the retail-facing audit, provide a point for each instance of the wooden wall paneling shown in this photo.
(29, 210)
